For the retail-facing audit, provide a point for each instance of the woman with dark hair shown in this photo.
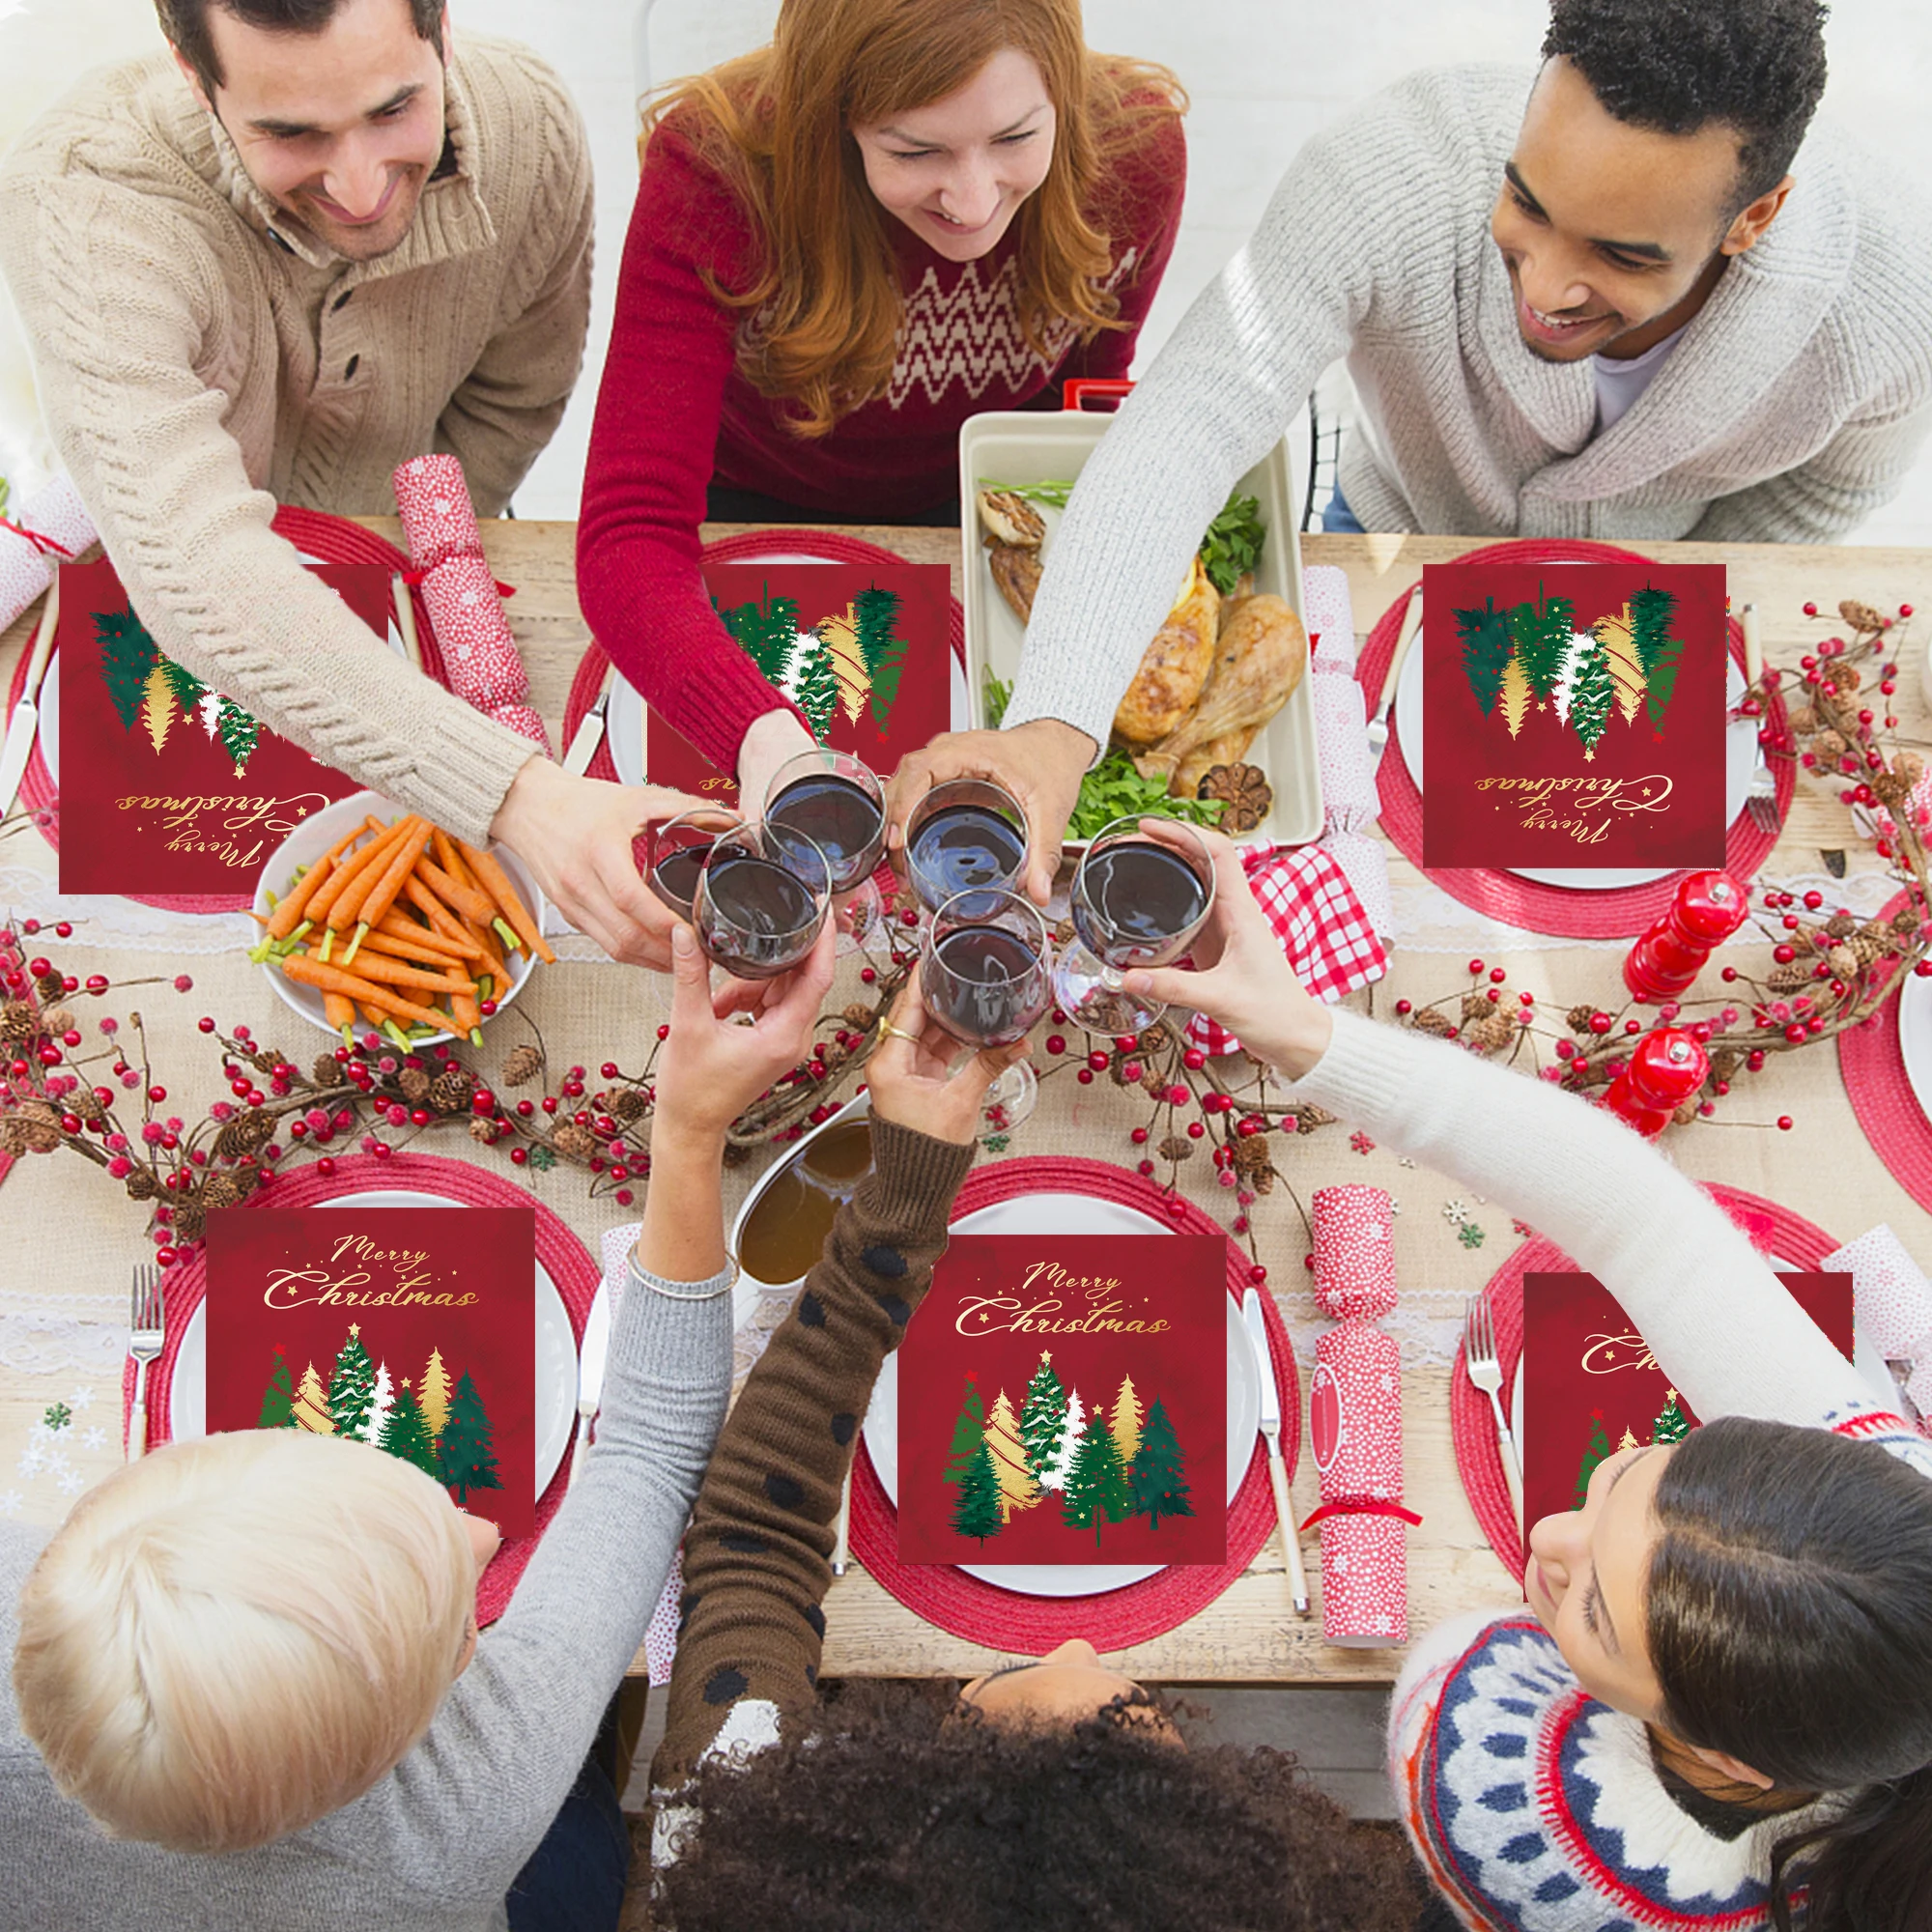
(1718, 1708)
(900, 214)
(1055, 1793)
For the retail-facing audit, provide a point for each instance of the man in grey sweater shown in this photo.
(1605, 300)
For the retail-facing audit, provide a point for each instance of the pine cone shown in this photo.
(84, 1103)
(1905, 922)
(1428, 1020)
(1861, 616)
(1685, 1113)
(1596, 1073)
(26, 1132)
(1493, 1034)
(1844, 962)
(142, 1185)
(860, 1016)
(522, 1066)
(575, 1141)
(1829, 747)
(51, 988)
(1847, 678)
(416, 1085)
(57, 1020)
(1247, 798)
(1792, 978)
(265, 1061)
(1874, 941)
(18, 1020)
(1176, 1147)
(1577, 1019)
(483, 1132)
(1476, 1006)
(449, 1092)
(190, 1221)
(1909, 766)
(1840, 926)
(1725, 1061)
(628, 1104)
(1802, 719)
(219, 1190)
(1158, 1037)
(243, 1180)
(326, 1070)
(1308, 1117)
(243, 1134)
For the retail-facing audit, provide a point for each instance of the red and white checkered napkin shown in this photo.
(52, 527)
(1324, 932)
(479, 653)
(1891, 1307)
(1350, 801)
(1355, 1419)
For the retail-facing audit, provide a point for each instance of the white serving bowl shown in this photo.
(310, 839)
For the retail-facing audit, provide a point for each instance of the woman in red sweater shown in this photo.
(900, 214)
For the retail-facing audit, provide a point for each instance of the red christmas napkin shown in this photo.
(410, 1328)
(862, 649)
(1064, 1399)
(1354, 1416)
(466, 605)
(167, 785)
(1575, 715)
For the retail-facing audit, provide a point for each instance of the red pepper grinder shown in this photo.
(1708, 908)
(1666, 1069)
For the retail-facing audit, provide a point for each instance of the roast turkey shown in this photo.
(1259, 657)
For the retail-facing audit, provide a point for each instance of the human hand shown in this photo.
(576, 836)
(913, 1083)
(1040, 762)
(1241, 977)
(712, 1067)
(773, 738)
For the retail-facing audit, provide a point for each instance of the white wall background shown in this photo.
(1263, 74)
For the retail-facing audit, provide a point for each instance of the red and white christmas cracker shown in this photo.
(1350, 801)
(1891, 1308)
(52, 528)
(466, 607)
(1354, 1416)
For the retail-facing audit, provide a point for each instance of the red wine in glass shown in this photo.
(964, 845)
(675, 877)
(840, 817)
(677, 849)
(761, 899)
(987, 979)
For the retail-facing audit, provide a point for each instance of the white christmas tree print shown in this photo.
(1054, 1477)
(1573, 661)
(210, 710)
(379, 1405)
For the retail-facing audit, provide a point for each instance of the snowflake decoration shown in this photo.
(9, 1503)
(58, 1417)
(1361, 1143)
(997, 1143)
(31, 1462)
(1470, 1235)
(71, 1483)
(94, 1438)
(82, 1396)
(1456, 1212)
(542, 1159)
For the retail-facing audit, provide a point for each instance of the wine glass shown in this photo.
(677, 849)
(987, 979)
(1142, 890)
(835, 800)
(760, 900)
(964, 834)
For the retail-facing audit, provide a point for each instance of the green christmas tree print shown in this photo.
(1042, 1419)
(278, 1399)
(127, 657)
(1096, 1484)
(351, 1386)
(406, 1433)
(188, 690)
(239, 733)
(1658, 653)
(969, 1434)
(1541, 633)
(1672, 1425)
(1157, 1476)
(1599, 1449)
(818, 687)
(463, 1458)
(978, 1511)
(876, 612)
(1486, 646)
(767, 633)
(1592, 695)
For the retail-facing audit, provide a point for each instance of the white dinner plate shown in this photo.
(555, 1391)
(1070, 1214)
(49, 699)
(1740, 761)
(1915, 1038)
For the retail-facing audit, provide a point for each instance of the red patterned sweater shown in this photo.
(674, 411)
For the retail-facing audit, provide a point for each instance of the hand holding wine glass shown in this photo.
(913, 1079)
(761, 900)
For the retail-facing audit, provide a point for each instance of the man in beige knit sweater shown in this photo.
(313, 240)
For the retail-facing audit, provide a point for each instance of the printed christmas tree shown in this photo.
(818, 692)
(1591, 696)
(1054, 1476)
(351, 1386)
(876, 616)
(979, 1511)
(312, 1403)
(1619, 642)
(1486, 645)
(1597, 1451)
(1541, 633)
(407, 1434)
(1157, 1475)
(463, 1458)
(1095, 1490)
(1657, 652)
(433, 1393)
(1672, 1425)
(157, 705)
(1042, 1419)
(1018, 1490)
(766, 632)
(1125, 1420)
(239, 733)
(128, 655)
(379, 1405)
(969, 1433)
(278, 1399)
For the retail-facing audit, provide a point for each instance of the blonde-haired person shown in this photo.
(247, 1687)
(899, 213)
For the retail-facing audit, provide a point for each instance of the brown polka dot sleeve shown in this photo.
(756, 1557)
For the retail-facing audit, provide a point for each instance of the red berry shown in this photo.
(1404, 1007)
(30, 926)
(483, 1101)
(1097, 1061)
(1784, 1124)
(96, 982)
(520, 1155)
(1810, 610)
(158, 1094)
(1475, 966)
(1139, 1136)
(866, 973)
(1144, 1168)
(1056, 1042)
(1195, 1131)
(609, 1071)
(1084, 1077)
(1259, 1274)
(1783, 954)
(1813, 901)
(664, 1033)
(1498, 976)
(1194, 1060)
(487, 1007)
(624, 1195)
(164, 1257)
(1905, 609)
(1600, 1023)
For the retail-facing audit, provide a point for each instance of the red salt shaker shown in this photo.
(1707, 909)
(1666, 1069)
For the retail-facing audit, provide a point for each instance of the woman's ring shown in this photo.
(897, 1032)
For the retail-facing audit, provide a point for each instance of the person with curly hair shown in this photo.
(899, 214)
(1607, 299)
(1716, 1710)
(1052, 1793)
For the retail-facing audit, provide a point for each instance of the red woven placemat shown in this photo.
(1031, 1626)
(1793, 1239)
(332, 539)
(826, 546)
(1559, 911)
(565, 1258)
(1872, 1065)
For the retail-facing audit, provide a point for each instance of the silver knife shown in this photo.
(596, 1346)
(25, 724)
(1255, 1323)
(1378, 725)
(589, 732)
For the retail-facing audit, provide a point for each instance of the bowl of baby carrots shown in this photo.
(374, 920)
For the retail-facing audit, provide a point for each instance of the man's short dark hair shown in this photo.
(1676, 66)
(185, 25)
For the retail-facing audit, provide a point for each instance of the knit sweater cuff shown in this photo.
(467, 766)
(909, 1192)
(1357, 1076)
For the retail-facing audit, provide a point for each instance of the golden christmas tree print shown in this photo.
(433, 1393)
(840, 635)
(311, 1405)
(1018, 1489)
(1619, 642)
(1514, 696)
(158, 706)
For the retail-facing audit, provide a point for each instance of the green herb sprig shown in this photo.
(1233, 543)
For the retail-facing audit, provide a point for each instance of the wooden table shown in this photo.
(1824, 1170)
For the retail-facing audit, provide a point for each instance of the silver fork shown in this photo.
(1485, 1371)
(1379, 720)
(1761, 799)
(146, 1331)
